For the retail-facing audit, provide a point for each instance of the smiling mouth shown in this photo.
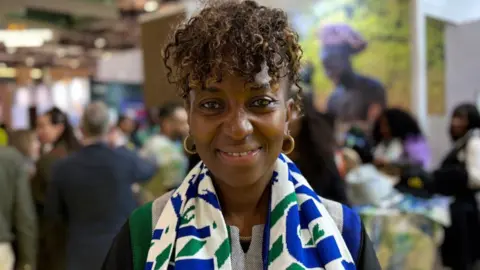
(239, 157)
(241, 154)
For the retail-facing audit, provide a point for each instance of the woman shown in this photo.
(234, 64)
(356, 98)
(398, 139)
(314, 152)
(459, 177)
(58, 140)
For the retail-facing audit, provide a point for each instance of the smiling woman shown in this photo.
(245, 205)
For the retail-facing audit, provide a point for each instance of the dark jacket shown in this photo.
(314, 156)
(91, 192)
(460, 248)
(51, 245)
(17, 215)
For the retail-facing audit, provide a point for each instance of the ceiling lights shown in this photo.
(25, 38)
(30, 61)
(74, 64)
(100, 43)
(151, 6)
(36, 73)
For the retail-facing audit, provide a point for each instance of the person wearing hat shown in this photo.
(356, 98)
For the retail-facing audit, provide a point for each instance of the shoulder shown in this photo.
(148, 214)
(370, 82)
(348, 223)
(10, 153)
(158, 205)
(473, 142)
(10, 158)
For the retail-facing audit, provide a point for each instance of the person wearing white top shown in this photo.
(459, 177)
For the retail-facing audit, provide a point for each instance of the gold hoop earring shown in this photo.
(190, 150)
(291, 145)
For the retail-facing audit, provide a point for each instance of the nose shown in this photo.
(238, 126)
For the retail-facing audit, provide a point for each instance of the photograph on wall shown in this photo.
(358, 52)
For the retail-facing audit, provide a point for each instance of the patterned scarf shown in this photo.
(301, 234)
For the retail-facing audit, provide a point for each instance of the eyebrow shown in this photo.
(254, 87)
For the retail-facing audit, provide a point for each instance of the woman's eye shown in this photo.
(262, 102)
(211, 105)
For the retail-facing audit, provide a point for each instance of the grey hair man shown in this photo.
(90, 191)
(95, 123)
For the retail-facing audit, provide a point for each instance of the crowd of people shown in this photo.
(247, 174)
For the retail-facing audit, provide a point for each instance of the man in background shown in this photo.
(125, 128)
(18, 227)
(166, 149)
(91, 191)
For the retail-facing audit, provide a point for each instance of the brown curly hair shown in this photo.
(232, 37)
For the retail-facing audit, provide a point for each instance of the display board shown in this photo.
(156, 28)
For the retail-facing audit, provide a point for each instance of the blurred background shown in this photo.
(66, 53)
(420, 56)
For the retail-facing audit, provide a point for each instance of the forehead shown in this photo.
(236, 84)
(43, 119)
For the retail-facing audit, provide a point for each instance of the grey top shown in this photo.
(17, 215)
(252, 259)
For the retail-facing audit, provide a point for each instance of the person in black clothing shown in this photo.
(456, 177)
(313, 153)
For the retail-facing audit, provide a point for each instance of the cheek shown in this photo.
(202, 130)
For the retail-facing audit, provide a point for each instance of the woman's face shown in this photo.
(239, 128)
(48, 132)
(458, 126)
(34, 151)
(385, 128)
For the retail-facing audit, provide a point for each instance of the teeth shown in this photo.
(240, 154)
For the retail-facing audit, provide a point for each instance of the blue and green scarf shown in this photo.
(301, 234)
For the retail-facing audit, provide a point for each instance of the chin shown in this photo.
(239, 178)
(239, 173)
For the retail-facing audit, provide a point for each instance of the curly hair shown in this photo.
(402, 125)
(232, 37)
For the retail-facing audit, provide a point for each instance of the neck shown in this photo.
(245, 207)
(94, 140)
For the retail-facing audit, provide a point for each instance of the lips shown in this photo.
(239, 154)
(240, 157)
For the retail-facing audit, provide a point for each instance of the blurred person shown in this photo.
(90, 191)
(166, 149)
(356, 98)
(398, 138)
(405, 223)
(125, 128)
(58, 139)
(246, 205)
(26, 142)
(314, 152)
(18, 226)
(152, 126)
(459, 176)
